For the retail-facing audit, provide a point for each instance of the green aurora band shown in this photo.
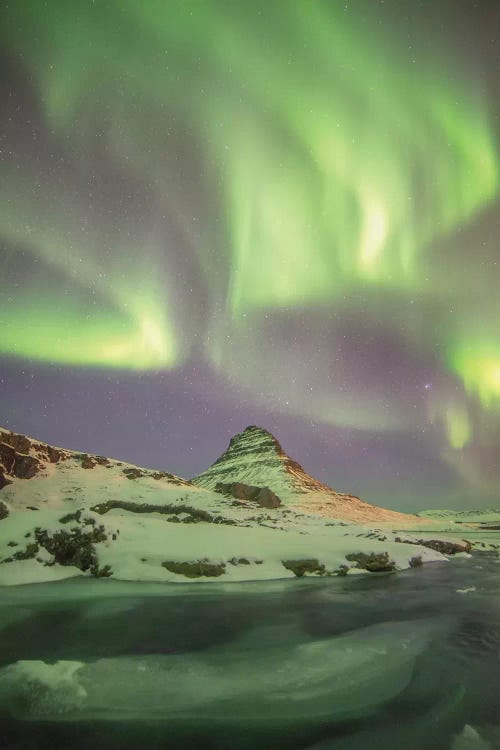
(336, 163)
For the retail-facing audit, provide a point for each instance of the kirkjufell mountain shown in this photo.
(254, 515)
(255, 457)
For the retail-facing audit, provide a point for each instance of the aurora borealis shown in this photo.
(218, 212)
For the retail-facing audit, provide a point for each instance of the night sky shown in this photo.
(217, 213)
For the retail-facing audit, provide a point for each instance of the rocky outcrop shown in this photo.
(133, 473)
(75, 547)
(26, 466)
(54, 454)
(300, 567)
(23, 458)
(4, 481)
(195, 568)
(189, 513)
(20, 443)
(4, 511)
(15, 464)
(446, 547)
(263, 496)
(373, 562)
(7, 457)
(255, 458)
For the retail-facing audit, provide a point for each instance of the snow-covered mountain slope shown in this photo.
(64, 513)
(472, 515)
(255, 457)
(60, 478)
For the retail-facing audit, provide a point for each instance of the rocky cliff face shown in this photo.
(23, 458)
(255, 457)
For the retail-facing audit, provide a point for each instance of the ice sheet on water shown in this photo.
(257, 679)
(40, 689)
(430, 730)
(470, 739)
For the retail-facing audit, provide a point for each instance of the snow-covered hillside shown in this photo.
(64, 513)
(470, 516)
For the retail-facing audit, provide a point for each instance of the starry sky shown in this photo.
(218, 213)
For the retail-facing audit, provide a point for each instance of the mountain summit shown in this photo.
(255, 457)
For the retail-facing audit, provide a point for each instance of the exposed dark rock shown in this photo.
(487, 527)
(163, 475)
(102, 460)
(28, 553)
(26, 467)
(71, 517)
(239, 561)
(342, 570)
(53, 454)
(373, 562)
(4, 481)
(195, 515)
(299, 567)
(445, 547)
(75, 547)
(88, 462)
(440, 545)
(7, 457)
(4, 511)
(416, 561)
(20, 443)
(132, 473)
(263, 496)
(195, 568)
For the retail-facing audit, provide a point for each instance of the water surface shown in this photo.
(405, 660)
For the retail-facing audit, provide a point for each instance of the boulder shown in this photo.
(263, 496)
(416, 561)
(4, 511)
(267, 499)
(88, 462)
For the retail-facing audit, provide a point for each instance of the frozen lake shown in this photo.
(409, 660)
